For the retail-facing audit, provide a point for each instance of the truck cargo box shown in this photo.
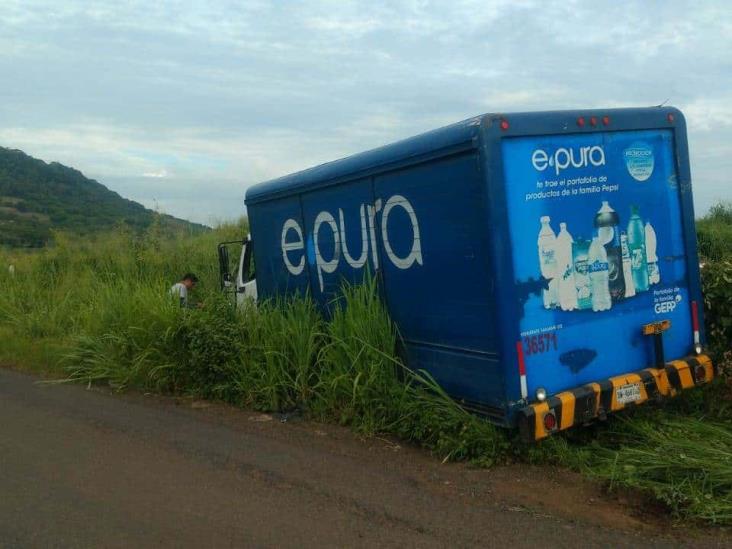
(541, 266)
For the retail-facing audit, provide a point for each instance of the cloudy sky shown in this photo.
(183, 105)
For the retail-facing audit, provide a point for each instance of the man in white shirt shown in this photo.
(180, 289)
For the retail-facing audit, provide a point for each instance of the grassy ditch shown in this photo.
(282, 357)
(97, 311)
(679, 454)
(685, 462)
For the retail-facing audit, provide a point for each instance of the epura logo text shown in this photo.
(295, 249)
(579, 157)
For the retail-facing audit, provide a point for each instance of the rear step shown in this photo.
(595, 400)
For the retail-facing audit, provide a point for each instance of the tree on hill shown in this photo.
(37, 198)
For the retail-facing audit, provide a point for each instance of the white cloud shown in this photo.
(160, 174)
(190, 103)
(705, 114)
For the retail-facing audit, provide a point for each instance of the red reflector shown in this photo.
(521, 361)
(606, 120)
(670, 117)
(504, 125)
(550, 421)
(700, 373)
(695, 316)
(581, 121)
(593, 121)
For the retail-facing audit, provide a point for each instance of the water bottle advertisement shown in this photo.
(598, 251)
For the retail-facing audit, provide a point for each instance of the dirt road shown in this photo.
(85, 468)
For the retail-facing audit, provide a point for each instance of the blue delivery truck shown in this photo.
(541, 266)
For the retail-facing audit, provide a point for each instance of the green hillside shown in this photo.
(37, 198)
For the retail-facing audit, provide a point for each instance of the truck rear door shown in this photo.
(597, 251)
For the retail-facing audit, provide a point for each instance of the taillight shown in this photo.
(593, 121)
(550, 421)
(581, 121)
(605, 120)
(670, 117)
(504, 125)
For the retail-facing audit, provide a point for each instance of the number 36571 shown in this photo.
(541, 343)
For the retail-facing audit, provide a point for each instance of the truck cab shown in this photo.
(241, 282)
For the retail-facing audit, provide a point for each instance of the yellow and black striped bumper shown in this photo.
(595, 400)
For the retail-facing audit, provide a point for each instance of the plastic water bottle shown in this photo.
(547, 249)
(565, 269)
(637, 250)
(627, 270)
(608, 233)
(654, 275)
(546, 243)
(599, 277)
(580, 258)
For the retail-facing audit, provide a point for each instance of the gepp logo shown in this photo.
(295, 250)
(667, 305)
(580, 157)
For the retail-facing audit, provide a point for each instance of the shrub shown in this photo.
(714, 233)
(717, 289)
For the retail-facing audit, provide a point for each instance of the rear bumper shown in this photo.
(595, 400)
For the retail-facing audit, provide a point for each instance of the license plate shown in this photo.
(628, 393)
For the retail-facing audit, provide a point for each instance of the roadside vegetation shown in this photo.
(96, 311)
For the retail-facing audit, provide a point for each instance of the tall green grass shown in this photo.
(685, 462)
(682, 460)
